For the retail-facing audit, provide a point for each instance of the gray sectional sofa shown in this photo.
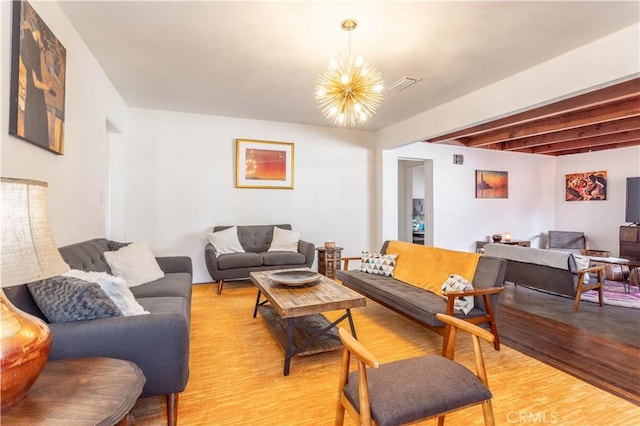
(552, 271)
(255, 240)
(158, 342)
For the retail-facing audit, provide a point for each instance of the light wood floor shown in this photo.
(236, 373)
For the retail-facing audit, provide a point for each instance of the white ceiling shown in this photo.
(260, 60)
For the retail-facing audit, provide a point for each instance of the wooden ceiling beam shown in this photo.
(607, 112)
(614, 93)
(606, 128)
(597, 148)
(623, 137)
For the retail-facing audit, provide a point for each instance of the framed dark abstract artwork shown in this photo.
(38, 69)
(492, 184)
(589, 186)
(264, 164)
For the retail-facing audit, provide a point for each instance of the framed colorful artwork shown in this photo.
(38, 69)
(589, 186)
(264, 164)
(492, 184)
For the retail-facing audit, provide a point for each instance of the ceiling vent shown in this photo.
(403, 83)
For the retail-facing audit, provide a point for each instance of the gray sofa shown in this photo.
(421, 305)
(255, 240)
(158, 343)
(552, 271)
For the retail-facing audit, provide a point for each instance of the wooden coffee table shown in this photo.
(294, 314)
(82, 391)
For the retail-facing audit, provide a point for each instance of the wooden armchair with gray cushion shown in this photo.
(413, 389)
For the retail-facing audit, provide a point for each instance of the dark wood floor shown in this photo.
(601, 356)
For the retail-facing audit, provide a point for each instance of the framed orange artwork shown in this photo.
(589, 186)
(492, 184)
(264, 164)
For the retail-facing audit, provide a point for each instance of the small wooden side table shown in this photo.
(329, 261)
(82, 391)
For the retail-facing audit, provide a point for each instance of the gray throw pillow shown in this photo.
(64, 299)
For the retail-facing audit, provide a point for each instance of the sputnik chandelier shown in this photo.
(349, 90)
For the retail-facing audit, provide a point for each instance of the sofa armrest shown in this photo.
(347, 259)
(308, 250)
(171, 264)
(165, 366)
(474, 292)
(211, 260)
(484, 292)
(588, 270)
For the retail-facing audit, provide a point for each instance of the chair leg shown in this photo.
(339, 421)
(576, 302)
(220, 284)
(441, 420)
(487, 412)
(494, 330)
(601, 282)
(172, 409)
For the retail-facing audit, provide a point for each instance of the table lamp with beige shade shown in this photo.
(27, 253)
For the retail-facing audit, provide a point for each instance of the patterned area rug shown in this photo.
(613, 292)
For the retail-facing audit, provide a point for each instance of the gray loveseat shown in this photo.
(255, 240)
(158, 343)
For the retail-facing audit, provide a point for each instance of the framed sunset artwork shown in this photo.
(492, 184)
(264, 164)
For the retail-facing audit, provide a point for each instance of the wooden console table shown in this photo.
(83, 391)
(521, 243)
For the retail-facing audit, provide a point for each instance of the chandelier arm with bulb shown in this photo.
(349, 91)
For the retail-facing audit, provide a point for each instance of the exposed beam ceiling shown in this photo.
(602, 119)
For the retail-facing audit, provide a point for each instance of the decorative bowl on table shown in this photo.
(294, 278)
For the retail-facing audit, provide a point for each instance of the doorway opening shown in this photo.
(415, 201)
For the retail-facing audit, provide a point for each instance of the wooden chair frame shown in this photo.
(365, 359)
(581, 287)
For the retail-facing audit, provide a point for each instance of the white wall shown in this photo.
(181, 183)
(76, 179)
(600, 220)
(459, 218)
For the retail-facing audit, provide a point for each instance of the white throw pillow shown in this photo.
(583, 263)
(135, 263)
(115, 287)
(284, 240)
(459, 283)
(226, 241)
